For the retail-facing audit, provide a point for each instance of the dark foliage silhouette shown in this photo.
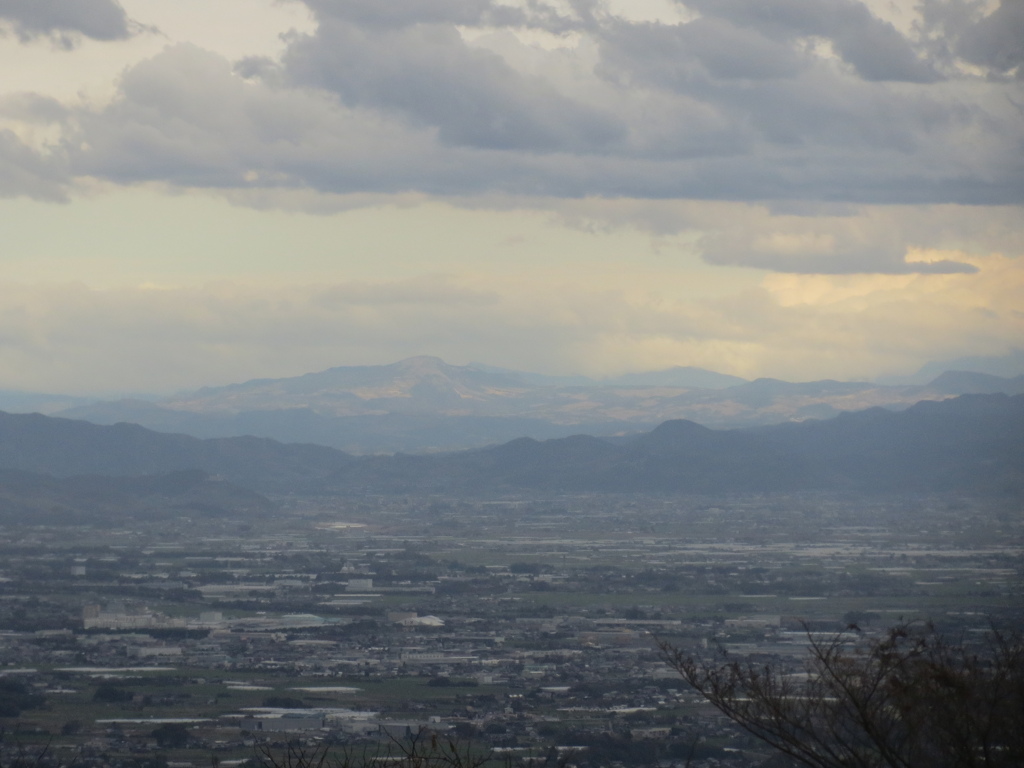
(910, 699)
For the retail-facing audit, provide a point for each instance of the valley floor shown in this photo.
(513, 624)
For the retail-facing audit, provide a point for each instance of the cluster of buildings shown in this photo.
(522, 625)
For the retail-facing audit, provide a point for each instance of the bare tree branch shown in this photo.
(908, 700)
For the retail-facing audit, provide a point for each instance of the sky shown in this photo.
(199, 192)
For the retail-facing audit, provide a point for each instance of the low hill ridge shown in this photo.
(972, 443)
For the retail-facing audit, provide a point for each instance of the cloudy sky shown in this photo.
(204, 191)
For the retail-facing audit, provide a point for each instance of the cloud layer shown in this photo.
(780, 99)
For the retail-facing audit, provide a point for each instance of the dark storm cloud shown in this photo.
(735, 104)
(685, 56)
(427, 74)
(401, 13)
(875, 49)
(64, 19)
(997, 41)
(185, 117)
(405, 13)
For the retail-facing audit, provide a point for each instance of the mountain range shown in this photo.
(423, 405)
(971, 443)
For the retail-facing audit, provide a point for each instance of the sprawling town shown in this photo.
(524, 629)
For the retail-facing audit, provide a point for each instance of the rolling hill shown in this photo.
(973, 443)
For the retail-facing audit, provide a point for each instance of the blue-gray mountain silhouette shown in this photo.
(971, 443)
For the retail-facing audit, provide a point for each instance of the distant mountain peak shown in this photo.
(679, 427)
(424, 362)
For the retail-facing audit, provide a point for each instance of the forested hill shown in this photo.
(65, 447)
(973, 443)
